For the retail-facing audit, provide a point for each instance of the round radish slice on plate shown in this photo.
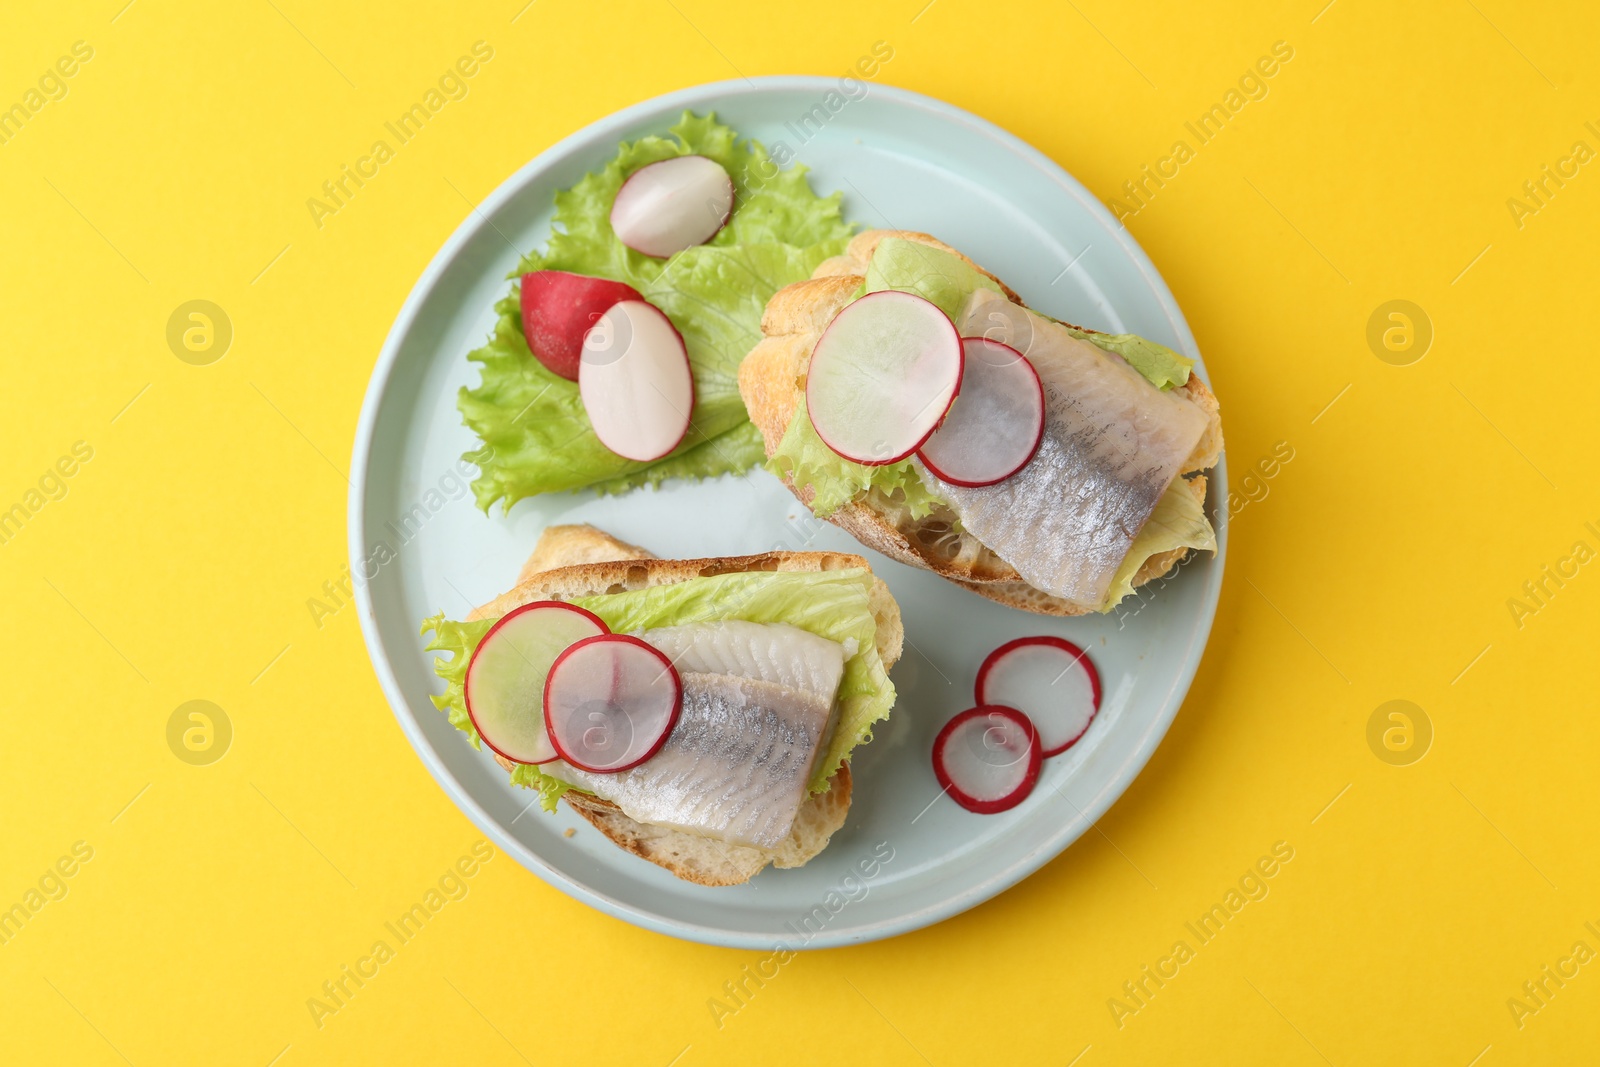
(1053, 680)
(987, 758)
(610, 702)
(882, 375)
(673, 204)
(635, 381)
(996, 424)
(558, 308)
(504, 685)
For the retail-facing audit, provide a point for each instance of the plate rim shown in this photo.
(616, 123)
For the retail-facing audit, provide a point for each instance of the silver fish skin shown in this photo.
(1112, 445)
(735, 766)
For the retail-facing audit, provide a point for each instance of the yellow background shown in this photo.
(1377, 567)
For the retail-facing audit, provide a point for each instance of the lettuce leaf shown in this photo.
(802, 456)
(831, 604)
(535, 437)
(1178, 521)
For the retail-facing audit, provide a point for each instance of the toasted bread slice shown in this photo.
(772, 383)
(579, 561)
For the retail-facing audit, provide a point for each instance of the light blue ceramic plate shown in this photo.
(902, 160)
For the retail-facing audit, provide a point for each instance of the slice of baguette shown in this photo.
(579, 561)
(772, 383)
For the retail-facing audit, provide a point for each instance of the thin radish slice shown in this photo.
(610, 702)
(558, 308)
(1050, 679)
(504, 686)
(671, 205)
(987, 758)
(635, 381)
(996, 424)
(882, 376)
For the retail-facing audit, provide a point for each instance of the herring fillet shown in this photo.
(1112, 445)
(770, 652)
(757, 704)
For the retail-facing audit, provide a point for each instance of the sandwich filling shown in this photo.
(1112, 445)
(758, 700)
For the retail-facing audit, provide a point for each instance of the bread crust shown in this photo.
(772, 383)
(578, 561)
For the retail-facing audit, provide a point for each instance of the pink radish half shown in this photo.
(557, 310)
(504, 686)
(610, 702)
(996, 424)
(882, 375)
(987, 758)
(673, 204)
(1053, 680)
(635, 381)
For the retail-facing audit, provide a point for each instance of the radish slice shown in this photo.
(1052, 680)
(995, 427)
(505, 679)
(635, 381)
(671, 205)
(987, 758)
(882, 375)
(610, 702)
(557, 310)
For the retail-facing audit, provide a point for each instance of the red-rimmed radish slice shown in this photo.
(610, 702)
(504, 686)
(673, 204)
(558, 308)
(1050, 679)
(987, 758)
(995, 425)
(635, 381)
(882, 375)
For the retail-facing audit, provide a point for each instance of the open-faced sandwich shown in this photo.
(699, 713)
(910, 397)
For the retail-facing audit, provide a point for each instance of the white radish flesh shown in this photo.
(504, 687)
(635, 381)
(987, 758)
(610, 702)
(995, 425)
(673, 204)
(1051, 679)
(882, 376)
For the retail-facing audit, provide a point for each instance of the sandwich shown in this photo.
(1081, 492)
(698, 713)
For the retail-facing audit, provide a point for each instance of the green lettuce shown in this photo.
(831, 604)
(535, 436)
(807, 461)
(1178, 521)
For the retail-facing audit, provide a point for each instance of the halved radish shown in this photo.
(505, 678)
(987, 758)
(673, 204)
(610, 702)
(635, 381)
(1050, 679)
(882, 375)
(995, 426)
(558, 308)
